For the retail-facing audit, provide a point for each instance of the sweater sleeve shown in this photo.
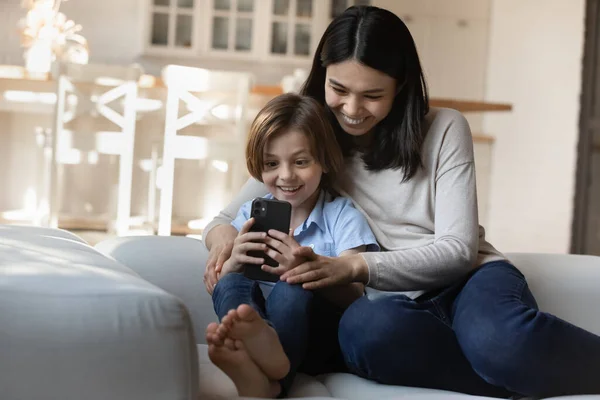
(453, 251)
(251, 189)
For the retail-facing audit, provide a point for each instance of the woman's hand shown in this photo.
(244, 242)
(217, 255)
(320, 271)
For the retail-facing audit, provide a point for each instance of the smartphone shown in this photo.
(268, 214)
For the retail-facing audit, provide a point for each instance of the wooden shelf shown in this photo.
(150, 81)
(482, 138)
(469, 106)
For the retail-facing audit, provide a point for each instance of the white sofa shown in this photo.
(125, 320)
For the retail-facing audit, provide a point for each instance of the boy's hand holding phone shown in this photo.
(281, 249)
(244, 242)
(270, 215)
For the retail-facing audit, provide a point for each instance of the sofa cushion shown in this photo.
(173, 263)
(214, 384)
(39, 231)
(76, 324)
(352, 387)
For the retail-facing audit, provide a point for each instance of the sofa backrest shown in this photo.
(565, 285)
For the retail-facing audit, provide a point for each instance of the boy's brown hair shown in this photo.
(303, 114)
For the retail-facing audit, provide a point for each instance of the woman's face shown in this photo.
(359, 96)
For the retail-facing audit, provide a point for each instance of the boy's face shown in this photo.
(290, 171)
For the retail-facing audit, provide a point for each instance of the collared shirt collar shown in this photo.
(316, 215)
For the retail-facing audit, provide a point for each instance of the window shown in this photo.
(259, 30)
(291, 27)
(339, 6)
(171, 23)
(232, 25)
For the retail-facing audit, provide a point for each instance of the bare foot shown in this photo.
(212, 336)
(260, 340)
(233, 359)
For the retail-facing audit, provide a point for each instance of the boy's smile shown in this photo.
(290, 171)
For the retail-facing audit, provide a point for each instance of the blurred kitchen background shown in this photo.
(129, 116)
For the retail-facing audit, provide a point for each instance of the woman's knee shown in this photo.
(497, 355)
(497, 340)
(369, 326)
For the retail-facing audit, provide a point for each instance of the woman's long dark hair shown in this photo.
(378, 39)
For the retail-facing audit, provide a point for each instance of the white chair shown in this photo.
(111, 83)
(212, 98)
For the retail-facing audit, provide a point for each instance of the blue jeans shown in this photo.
(483, 336)
(305, 323)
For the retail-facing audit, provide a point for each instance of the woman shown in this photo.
(465, 320)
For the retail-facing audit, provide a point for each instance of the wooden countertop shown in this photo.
(483, 138)
(151, 81)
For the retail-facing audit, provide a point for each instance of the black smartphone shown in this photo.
(268, 214)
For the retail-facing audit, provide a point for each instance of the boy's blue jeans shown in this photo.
(305, 322)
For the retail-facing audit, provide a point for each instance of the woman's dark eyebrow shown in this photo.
(336, 83)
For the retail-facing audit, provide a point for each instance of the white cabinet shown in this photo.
(260, 30)
(171, 25)
(290, 28)
(232, 26)
(467, 9)
(420, 29)
(457, 58)
(336, 7)
(451, 35)
(464, 9)
(11, 52)
(451, 38)
(403, 8)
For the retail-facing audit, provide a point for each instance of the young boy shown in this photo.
(265, 328)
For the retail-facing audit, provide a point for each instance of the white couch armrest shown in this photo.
(75, 324)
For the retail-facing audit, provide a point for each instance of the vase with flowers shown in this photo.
(47, 35)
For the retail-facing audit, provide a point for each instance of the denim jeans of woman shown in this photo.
(304, 321)
(482, 336)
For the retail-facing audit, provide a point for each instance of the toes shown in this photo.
(229, 319)
(231, 315)
(212, 327)
(214, 339)
(225, 320)
(209, 338)
(211, 350)
(246, 313)
(230, 344)
(222, 331)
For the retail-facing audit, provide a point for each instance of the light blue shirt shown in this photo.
(332, 227)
